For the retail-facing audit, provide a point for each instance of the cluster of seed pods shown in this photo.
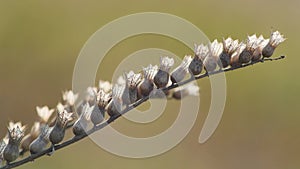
(113, 99)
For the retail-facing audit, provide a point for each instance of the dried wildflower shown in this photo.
(69, 97)
(106, 86)
(179, 73)
(247, 53)
(229, 47)
(146, 86)
(275, 40)
(39, 144)
(57, 132)
(130, 94)
(234, 62)
(161, 78)
(44, 113)
(210, 62)
(98, 110)
(15, 135)
(201, 52)
(261, 42)
(115, 106)
(34, 133)
(191, 89)
(80, 125)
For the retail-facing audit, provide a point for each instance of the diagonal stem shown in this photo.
(132, 106)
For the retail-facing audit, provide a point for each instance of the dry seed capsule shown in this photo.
(130, 94)
(15, 135)
(229, 47)
(247, 53)
(57, 132)
(179, 73)
(211, 61)
(98, 110)
(39, 144)
(196, 65)
(28, 139)
(115, 106)
(275, 39)
(261, 42)
(147, 85)
(234, 61)
(81, 123)
(161, 78)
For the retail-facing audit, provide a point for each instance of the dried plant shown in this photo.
(135, 88)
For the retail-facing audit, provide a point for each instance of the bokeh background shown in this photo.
(40, 41)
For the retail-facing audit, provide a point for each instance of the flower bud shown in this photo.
(15, 135)
(130, 94)
(161, 78)
(234, 61)
(146, 86)
(27, 140)
(247, 53)
(211, 61)
(196, 65)
(39, 144)
(261, 43)
(229, 47)
(80, 125)
(115, 106)
(275, 39)
(57, 132)
(97, 114)
(179, 73)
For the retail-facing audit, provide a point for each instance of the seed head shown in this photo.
(275, 40)
(57, 132)
(211, 61)
(161, 78)
(196, 65)
(98, 110)
(130, 94)
(261, 42)
(116, 104)
(229, 47)
(179, 73)
(15, 135)
(80, 125)
(39, 144)
(234, 62)
(147, 85)
(34, 133)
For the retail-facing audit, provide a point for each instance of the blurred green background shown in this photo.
(40, 41)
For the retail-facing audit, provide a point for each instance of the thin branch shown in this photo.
(132, 106)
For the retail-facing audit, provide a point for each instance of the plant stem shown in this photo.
(132, 106)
